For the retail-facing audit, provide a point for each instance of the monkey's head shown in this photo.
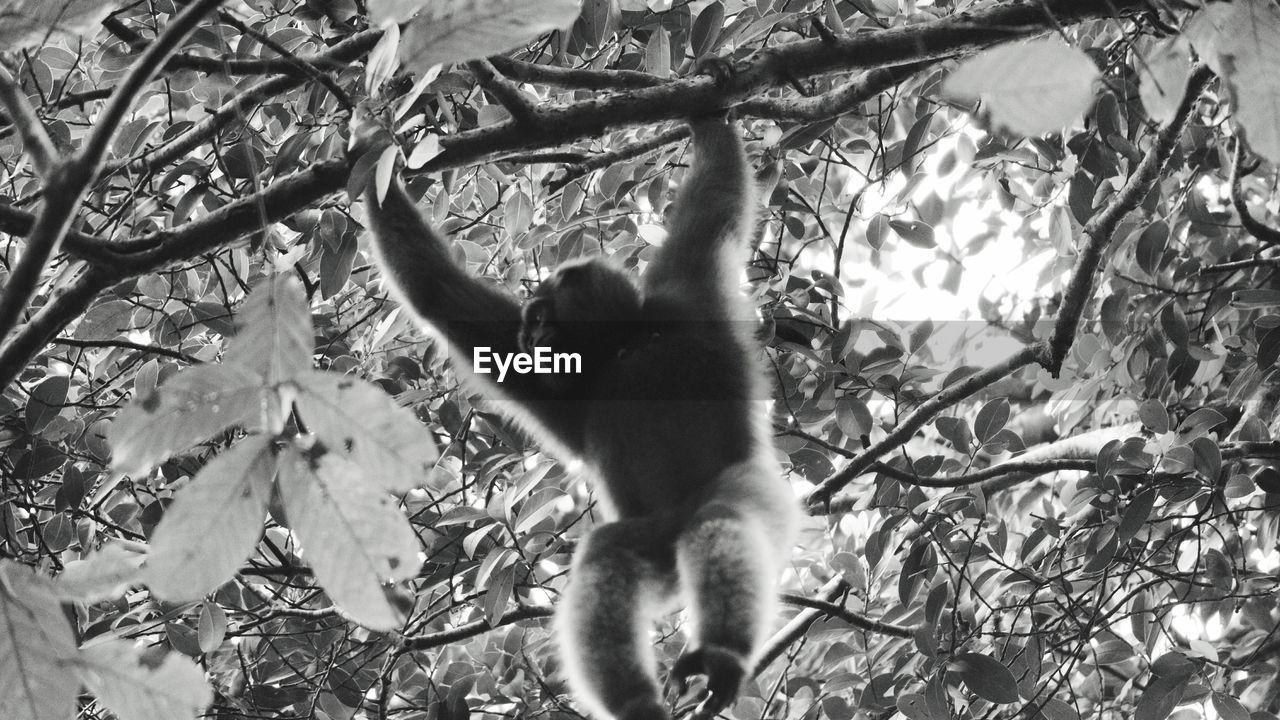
(587, 306)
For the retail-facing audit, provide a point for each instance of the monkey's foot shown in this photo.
(724, 672)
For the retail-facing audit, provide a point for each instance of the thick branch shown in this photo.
(507, 93)
(578, 79)
(205, 234)
(835, 102)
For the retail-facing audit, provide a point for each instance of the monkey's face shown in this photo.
(586, 306)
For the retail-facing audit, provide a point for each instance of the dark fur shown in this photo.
(667, 416)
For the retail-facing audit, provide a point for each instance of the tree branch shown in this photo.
(1102, 226)
(574, 78)
(835, 102)
(919, 417)
(34, 138)
(1252, 225)
(68, 181)
(474, 628)
(506, 92)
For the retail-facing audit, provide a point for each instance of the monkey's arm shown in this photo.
(708, 226)
(466, 311)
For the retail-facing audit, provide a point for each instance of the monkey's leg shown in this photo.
(621, 576)
(728, 573)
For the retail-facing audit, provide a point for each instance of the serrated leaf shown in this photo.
(213, 524)
(353, 535)
(987, 677)
(1031, 88)
(176, 690)
(450, 31)
(100, 576)
(188, 409)
(36, 649)
(389, 444)
(274, 331)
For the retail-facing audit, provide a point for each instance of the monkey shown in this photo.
(667, 415)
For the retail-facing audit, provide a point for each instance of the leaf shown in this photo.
(955, 431)
(450, 31)
(517, 214)
(1154, 416)
(991, 419)
(1229, 708)
(24, 23)
(212, 628)
(36, 647)
(1031, 88)
(101, 575)
(853, 417)
(106, 321)
(189, 408)
(1253, 299)
(877, 231)
(274, 332)
(176, 690)
(914, 232)
(657, 53)
(706, 29)
(46, 401)
(1238, 41)
(352, 534)
(1164, 691)
(388, 443)
(986, 677)
(1151, 247)
(383, 59)
(384, 171)
(425, 149)
(1200, 421)
(213, 524)
(1164, 78)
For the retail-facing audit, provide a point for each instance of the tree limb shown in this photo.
(68, 181)
(34, 138)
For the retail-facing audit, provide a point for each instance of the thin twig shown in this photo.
(292, 60)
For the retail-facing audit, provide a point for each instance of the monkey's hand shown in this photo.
(724, 671)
